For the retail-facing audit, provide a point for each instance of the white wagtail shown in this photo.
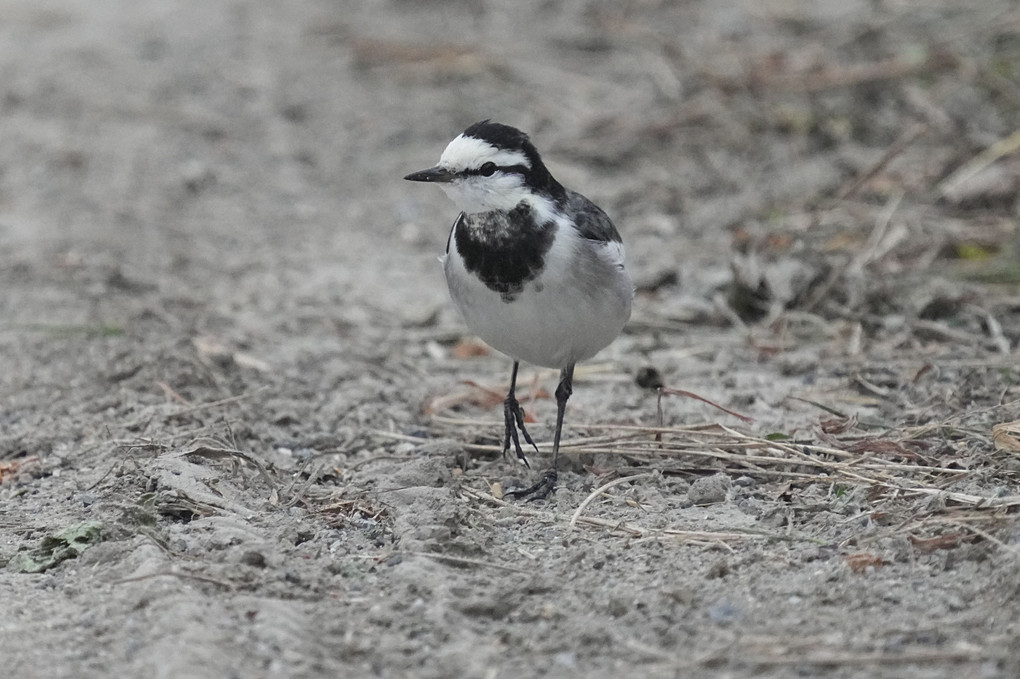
(536, 270)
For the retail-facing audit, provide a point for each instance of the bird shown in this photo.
(536, 270)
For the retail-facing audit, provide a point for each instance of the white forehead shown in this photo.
(468, 152)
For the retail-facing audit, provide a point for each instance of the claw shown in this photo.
(513, 417)
(541, 490)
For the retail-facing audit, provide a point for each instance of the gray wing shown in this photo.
(592, 222)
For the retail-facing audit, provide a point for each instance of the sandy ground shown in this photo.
(244, 434)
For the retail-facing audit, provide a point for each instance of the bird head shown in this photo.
(491, 167)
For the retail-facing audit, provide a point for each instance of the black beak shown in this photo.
(433, 174)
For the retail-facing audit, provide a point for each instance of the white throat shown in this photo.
(486, 194)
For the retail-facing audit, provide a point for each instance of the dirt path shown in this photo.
(241, 432)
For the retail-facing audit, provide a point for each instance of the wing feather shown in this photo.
(592, 222)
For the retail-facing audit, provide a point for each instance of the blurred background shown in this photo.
(825, 157)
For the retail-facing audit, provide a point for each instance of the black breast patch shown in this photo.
(504, 249)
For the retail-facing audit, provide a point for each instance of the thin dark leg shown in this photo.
(547, 482)
(563, 392)
(513, 418)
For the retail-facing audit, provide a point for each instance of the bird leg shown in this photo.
(513, 418)
(547, 482)
(563, 392)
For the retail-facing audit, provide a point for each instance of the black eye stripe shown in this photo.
(482, 171)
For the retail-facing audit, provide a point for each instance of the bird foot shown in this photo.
(545, 487)
(513, 417)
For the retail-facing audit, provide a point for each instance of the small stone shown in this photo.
(254, 558)
(617, 607)
(649, 378)
(719, 569)
(709, 490)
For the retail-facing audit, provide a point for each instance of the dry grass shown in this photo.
(909, 485)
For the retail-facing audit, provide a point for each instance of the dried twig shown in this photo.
(598, 491)
(1004, 147)
(131, 424)
(666, 391)
(178, 574)
(464, 561)
(756, 456)
(845, 76)
(629, 529)
(896, 148)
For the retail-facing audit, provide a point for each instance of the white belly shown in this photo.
(573, 310)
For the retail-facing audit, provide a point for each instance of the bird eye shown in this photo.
(487, 170)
